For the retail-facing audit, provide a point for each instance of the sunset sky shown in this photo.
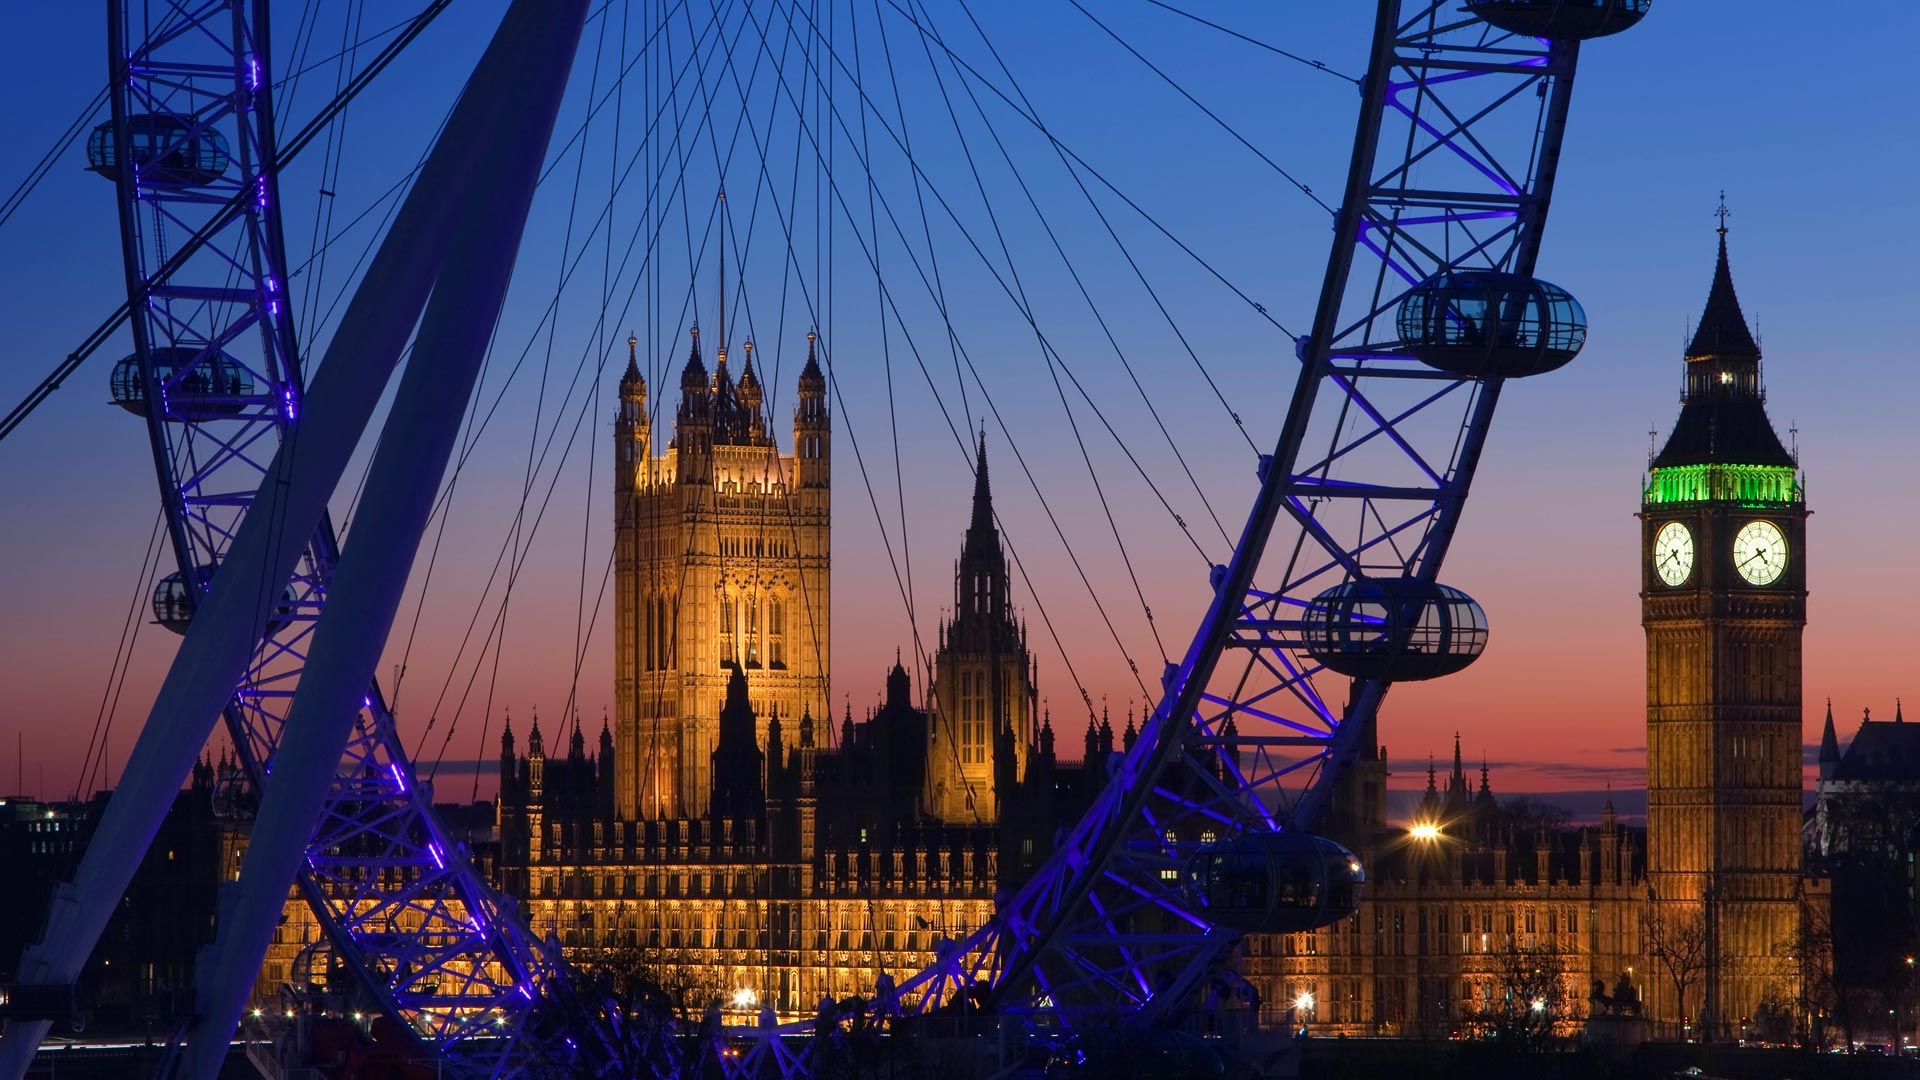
(1787, 114)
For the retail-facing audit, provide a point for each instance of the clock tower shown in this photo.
(1724, 601)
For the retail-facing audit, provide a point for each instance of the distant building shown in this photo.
(1867, 798)
(1703, 911)
(140, 976)
(1865, 837)
(1441, 910)
(724, 830)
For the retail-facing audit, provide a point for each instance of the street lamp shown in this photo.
(1302, 1006)
(1424, 831)
(1910, 974)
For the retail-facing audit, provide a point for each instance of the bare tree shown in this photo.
(1520, 1001)
(1821, 1001)
(689, 986)
(1676, 938)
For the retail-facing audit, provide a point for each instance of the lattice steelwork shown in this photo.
(206, 276)
(1453, 168)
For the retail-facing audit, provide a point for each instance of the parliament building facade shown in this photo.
(724, 823)
(726, 830)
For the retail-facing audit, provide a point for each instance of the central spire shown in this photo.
(982, 492)
(722, 273)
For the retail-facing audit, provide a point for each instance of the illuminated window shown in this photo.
(727, 654)
(973, 718)
(776, 633)
(753, 633)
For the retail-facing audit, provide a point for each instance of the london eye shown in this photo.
(1325, 594)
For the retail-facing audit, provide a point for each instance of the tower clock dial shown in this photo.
(1760, 552)
(1673, 553)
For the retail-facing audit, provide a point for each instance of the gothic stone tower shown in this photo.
(1723, 601)
(983, 681)
(721, 558)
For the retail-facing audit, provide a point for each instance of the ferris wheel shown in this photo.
(1204, 830)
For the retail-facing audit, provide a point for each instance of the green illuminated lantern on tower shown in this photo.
(1724, 599)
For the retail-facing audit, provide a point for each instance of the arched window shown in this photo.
(727, 655)
(776, 633)
(669, 632)
(752, 606)
(650, 648)
(973, 718)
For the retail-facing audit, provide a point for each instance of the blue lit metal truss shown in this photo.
(1453, 166)
(399, 900)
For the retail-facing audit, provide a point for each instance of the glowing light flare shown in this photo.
(1304, 1002)
(745, 998)
(1426, 831)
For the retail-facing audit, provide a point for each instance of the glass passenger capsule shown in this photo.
(1396, 629)
(173, 602)
(1275, 882)
(196, 383)
(167, 151)
(1483, 324)
(1561, 20)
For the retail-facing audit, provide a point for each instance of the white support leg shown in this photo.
(392, 515)
(303, 476)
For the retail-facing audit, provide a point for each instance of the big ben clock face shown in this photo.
(1673, 553)
(1760, 552)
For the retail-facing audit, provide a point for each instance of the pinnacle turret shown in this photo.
(811, 380)
(982, 522)
(693, 377)
(632, 383)
(1829, 745)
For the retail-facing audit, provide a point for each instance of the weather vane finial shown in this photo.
(1722, 213)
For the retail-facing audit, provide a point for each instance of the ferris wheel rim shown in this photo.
(995, 943)
(171, 431)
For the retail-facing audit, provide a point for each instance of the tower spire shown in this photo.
(982, 522)
(1723, 331)
(723, 274)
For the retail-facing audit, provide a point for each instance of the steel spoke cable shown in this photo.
(834, 112)
(221, 218)
(846, 416)
(476, 430)
(600, 331)
(961, 63)
(1139, 275)
(61, 144)
(764, 183)
(926, 228)
(1211, 115)
(1052, 367)
(553, 330)
(965, 232)
(514, 564)
(886, 343)
(122, 659)
(840, 197)
(331, 158)
(1295, 57)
